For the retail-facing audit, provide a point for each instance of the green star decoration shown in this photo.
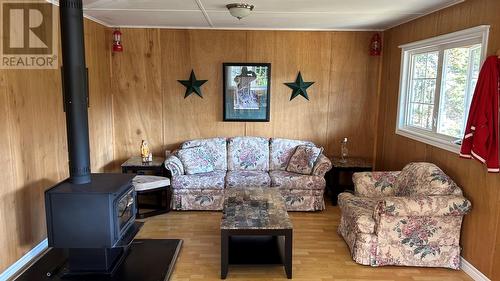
(299, 87)
(192, 85)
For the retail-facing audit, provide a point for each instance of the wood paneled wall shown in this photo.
(33, 149)
(148, 102)
(480, 235)
(135, 95)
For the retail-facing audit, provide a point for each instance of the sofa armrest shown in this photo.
(374, 184)
(428, 206)
(322, 165)
(174, 165)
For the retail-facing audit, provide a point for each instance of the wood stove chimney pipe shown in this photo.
(75, 89)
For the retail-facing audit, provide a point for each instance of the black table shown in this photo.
(350, 165)
(255, 229)
(157, 168)
(156, 208)
(136, 166)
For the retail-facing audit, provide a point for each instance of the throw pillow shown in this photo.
(303, 159)
(196, 160)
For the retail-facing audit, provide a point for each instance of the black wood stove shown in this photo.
(94, 221)
(90, 215)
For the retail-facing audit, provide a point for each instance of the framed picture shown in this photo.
(247, 91)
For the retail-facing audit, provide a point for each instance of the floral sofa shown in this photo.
(411, 218)
(245, 162)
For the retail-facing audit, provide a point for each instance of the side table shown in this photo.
(350, 165)
(145, 185)
(162, 194)
(135, 165)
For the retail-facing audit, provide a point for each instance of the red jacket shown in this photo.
(481, 133)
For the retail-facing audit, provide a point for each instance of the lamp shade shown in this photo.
(239, 10)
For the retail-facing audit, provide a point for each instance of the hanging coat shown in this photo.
(481, 133)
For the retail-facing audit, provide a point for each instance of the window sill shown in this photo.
(428, 139)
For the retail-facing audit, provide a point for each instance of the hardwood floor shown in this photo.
(320, 254)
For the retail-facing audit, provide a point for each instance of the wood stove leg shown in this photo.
(224, 262)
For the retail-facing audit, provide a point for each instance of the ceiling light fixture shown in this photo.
(239, 10)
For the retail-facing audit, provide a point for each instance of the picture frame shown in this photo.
(246, 92)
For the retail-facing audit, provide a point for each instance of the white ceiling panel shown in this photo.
(299, 21)
(334, 6)
(191, 19)
(142, 4)
(268, 14)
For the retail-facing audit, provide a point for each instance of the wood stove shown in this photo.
(90, 215)
(94, 221)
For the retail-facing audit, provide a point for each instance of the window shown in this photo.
(438, 78)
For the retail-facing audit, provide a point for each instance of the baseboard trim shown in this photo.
(473, 272)
(11, 271)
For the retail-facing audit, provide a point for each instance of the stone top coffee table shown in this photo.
(255, 229)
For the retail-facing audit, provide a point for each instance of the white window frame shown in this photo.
(477, 34)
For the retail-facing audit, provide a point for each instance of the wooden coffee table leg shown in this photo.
(224, 254)
(288, 253)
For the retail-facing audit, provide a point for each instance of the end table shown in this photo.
(145, 185)
(350, 165)
(155, 168)
(135, 165)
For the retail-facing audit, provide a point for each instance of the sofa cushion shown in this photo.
(248, 153)
(303, 199)
(215, 147)
(358, 211)
(289, 180)
(197, 199)
(375, 184)
(303, 159)
(280, 151)
(248, 179)
(212, 180)
(196, 160)
(424, 179)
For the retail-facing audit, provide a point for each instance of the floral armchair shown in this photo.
(411, 218)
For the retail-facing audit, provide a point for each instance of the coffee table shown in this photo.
(255, 229)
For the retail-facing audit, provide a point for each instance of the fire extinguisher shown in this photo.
(376, 45)
(117, 41)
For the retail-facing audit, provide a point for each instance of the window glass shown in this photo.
(423, 90)
(460, 73)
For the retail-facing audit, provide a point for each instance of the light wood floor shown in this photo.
(320, 254)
